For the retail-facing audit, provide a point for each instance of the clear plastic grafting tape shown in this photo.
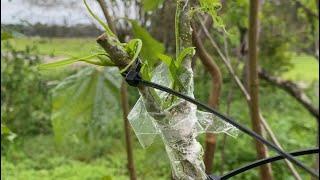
(178, 128)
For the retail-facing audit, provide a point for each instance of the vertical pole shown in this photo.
(265, 170)
(125, 109)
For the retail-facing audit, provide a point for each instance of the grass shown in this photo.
(58, 46)
(38, 158)
(305, 68)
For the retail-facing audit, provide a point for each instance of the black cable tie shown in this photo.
(132, 75)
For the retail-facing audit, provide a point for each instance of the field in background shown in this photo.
(58, 46)
(305, 68)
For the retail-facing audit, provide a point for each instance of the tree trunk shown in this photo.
(216, 84)
(265, 170)
(125, 109)
(124, 101)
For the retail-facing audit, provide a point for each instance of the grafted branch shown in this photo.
(177, 128)
(121, 59)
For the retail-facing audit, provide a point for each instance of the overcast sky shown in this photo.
(16, 11)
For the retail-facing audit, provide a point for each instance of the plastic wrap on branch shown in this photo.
(147, 128)
(179, 127)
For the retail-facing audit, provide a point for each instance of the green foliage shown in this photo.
(25, 104)
(174, 65)
(150, 5)
(5, 35)
(212, 7)
(150, 51)
(151, 47)
(237, 13)
(83, 105)
(182, 55)
(305, 68)
(101, 59)
(6, 133)
(153, 51)
(275, 55)
(133, 48)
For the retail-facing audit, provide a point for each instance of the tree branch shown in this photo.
(291, 88)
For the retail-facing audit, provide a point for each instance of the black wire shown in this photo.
(265, 161)
(231, 121)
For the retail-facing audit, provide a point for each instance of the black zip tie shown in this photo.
(134, 79)
(132, 75)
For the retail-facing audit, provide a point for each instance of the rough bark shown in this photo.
(293, 89)
(214, 97)
(265, 170)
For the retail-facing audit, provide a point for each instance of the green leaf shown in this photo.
(212, 7)
(145, 71)
(105, 60)
(133, 48)
(173, 68)
(83, 104)
(151, 47)
(68, 61)
(183, 54)
(150, 5)
(165, 59)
